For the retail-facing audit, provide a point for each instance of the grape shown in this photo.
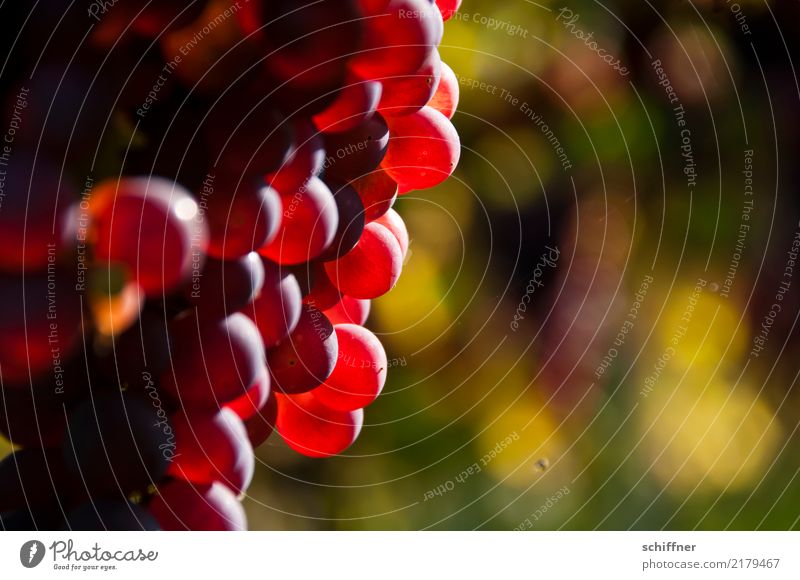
(227, 286)
(372, 268)
(308, 227)
(392, 221)
(323, 293)
(357, 152)
(348, 310)
(307, 42)
(351, 221)
(152, 227)
(445, 99)
(398, 39)
(378, 193)
(277, 309)
(114, 443)
(360, 371)
(212, 447)
(34, 199)
(260, 426)
(305, 160)
(307, 356)
(40, 326)
(213, 361)
(254, 399)
(25, 422)
(33, 478)
(354, 105)
(245, 136)
(180, 505)
(423, 150)
(243, 222)
(110, 515)
(142, 349)
(448, 8)
(312, 429)
(404, 95)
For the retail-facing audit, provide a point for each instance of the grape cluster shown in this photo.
(195, 212)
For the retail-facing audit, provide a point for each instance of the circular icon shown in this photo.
(31, 553)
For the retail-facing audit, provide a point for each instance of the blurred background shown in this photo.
(596, 325)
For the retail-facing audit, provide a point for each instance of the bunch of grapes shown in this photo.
(195, 212)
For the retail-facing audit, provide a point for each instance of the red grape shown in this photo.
(445, 99)
(305, 160)
(378, 193)
(372, 268)
(245, 137)
(349, 310)
(360, 371)
(357, 152)
(423, 150)
(114, 443)
(403, 95)
(354, 104)
(398, 39)
(392, 221)
(351, 221)
(226, 286)
(307, 356)
(180, 505)
(254, 399)
(308, 226)
(448, 8)
(277, 309)
(243, 222)
(152, 227)
(212, 447)
(307, 42)
(260, 426)
(312, 429)
(323, 293)
(34, 199)
(40, 326)
(213, 361)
